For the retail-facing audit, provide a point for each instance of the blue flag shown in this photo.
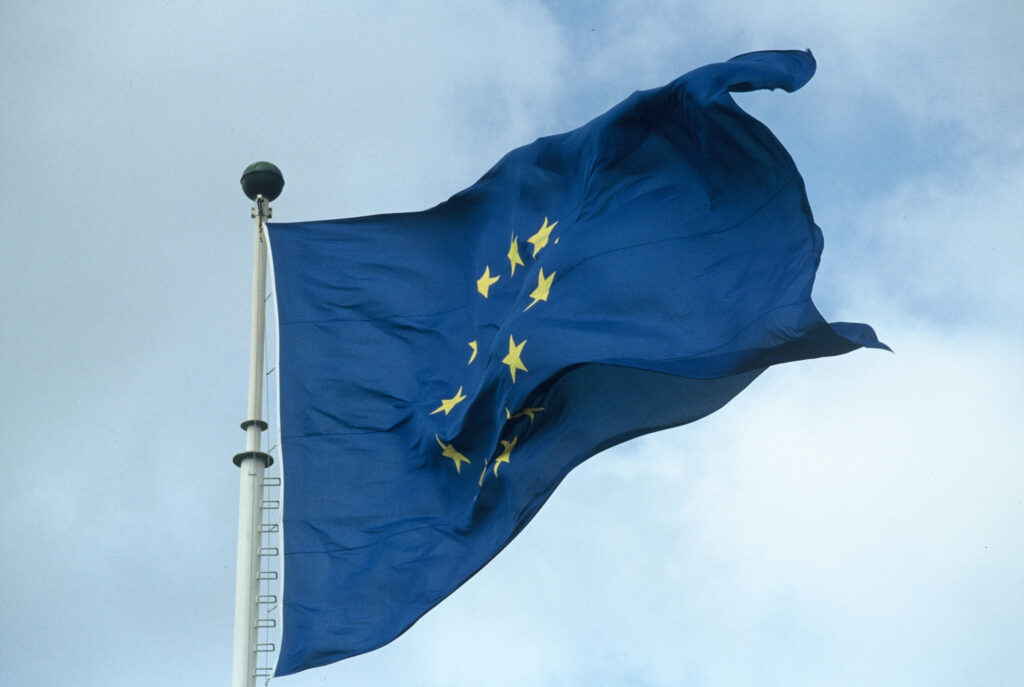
(442, 371)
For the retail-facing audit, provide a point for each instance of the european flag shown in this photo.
(442, 371)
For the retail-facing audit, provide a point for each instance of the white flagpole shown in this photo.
(262, 182)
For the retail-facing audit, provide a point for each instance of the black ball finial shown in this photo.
(262, 179)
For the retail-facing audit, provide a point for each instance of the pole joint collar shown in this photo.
(267, 459)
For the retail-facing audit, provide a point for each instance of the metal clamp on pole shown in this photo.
(262, 183)
(267, 459)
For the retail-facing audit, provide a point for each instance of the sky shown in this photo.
(844, 521)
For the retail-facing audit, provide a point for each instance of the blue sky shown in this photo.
(845, 521)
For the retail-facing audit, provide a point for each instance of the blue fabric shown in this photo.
(631, 275)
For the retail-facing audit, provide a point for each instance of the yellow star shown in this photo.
(540, 239)
(448, 403)
(525, 412)
(506, 453)
(513, 255)
(513, 359)
(448, 451)
(472, 357)
(483, 284)
(543, 288)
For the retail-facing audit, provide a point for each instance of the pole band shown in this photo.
(268, 460)
(259, 423)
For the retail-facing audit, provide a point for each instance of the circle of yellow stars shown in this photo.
(514, 358)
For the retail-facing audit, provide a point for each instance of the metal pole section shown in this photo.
(252, 462)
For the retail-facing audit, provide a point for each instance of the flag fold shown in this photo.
(442, 371)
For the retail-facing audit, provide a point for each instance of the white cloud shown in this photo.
(939, 62)
(879, 499)
(950, 246)
(830, 524)
(404, 108)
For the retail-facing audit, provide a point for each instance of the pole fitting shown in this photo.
(267, 459)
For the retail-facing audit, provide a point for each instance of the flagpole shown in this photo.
(262, 183)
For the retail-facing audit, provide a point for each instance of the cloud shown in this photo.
(390, 118)
(847, 519)
(847, 497)
(949, 246)
(938, 62)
